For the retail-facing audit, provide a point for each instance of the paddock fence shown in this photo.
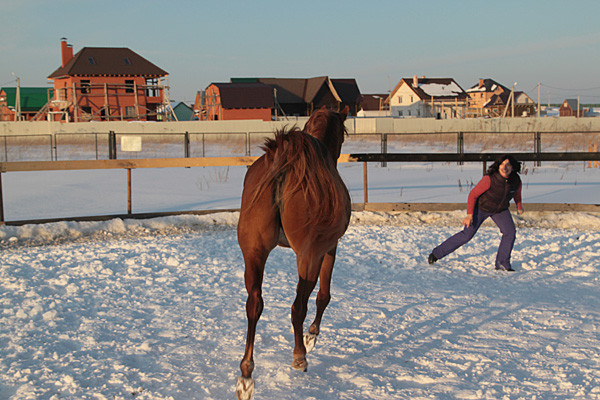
(114, 145)
(365, 158)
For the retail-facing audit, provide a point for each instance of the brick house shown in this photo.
(106, 83)
(423, 97)
(234, 101)
(301, 96)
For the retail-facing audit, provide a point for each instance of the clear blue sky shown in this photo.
(198, 42)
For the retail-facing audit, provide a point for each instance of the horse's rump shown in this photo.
(299, 163)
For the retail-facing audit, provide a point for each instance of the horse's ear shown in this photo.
(345, 112)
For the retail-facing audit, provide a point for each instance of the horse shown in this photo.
(293, 196)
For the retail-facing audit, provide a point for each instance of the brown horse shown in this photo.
(294, 197)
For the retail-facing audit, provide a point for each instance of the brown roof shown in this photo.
(347, 89)
(113, 61)
(372, 102)
(245, 95)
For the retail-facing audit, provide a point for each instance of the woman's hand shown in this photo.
(520, 211)
(468, 220)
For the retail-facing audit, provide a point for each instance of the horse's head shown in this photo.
(328, 126)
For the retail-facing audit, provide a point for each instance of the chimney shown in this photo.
(415, 80)
(66, 51)
(481, 83)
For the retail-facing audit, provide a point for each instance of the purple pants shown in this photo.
(507, 227)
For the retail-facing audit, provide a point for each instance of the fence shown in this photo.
(114, 145)
(365, 158)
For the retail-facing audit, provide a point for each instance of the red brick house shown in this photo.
(234, 101)
(106, 83)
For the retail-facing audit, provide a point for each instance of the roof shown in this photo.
(489, 85)
(113, 61)
(32, 98)
(372, 102)
(347, 89)
(304, 90)
(433, 88)
(183, 112)
(245, 95)
(572, 103)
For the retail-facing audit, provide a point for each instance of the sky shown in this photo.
(555, 43)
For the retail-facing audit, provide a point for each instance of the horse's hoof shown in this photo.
(310, 340)
(244, 390)
(300, 364)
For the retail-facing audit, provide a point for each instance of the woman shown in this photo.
(490, 198)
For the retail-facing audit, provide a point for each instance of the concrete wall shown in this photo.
(354, 125)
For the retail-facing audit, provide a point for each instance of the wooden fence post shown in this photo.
(365, 185)
(129, 191)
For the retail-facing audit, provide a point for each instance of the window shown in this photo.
(85, 86)
(129, 84)
(130, 111)
(152, 87)
(127, 61)
(91, 61)
(399, 99)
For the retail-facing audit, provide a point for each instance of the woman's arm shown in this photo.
(483, 185)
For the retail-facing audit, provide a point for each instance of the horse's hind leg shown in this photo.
(323, 298)
(299, 310)
(253, 276)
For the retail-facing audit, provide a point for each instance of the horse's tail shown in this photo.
(298, 162)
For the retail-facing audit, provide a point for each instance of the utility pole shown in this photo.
(513, 100)
(577, 106)
(539, 90)
(18, 101)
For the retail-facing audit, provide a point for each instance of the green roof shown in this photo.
(32, 98)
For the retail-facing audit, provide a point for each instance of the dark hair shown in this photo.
(516, 165)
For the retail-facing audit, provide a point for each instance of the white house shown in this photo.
(427, 98)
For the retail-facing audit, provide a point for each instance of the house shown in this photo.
(300, 96)
(427, 97)
(183, 112)
(32, 100)
(491, 99)
(570, 108)
(373, 105)
(234, 101)
(106, 83)
(481, 93)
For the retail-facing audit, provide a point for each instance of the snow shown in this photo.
(438, 89)
(154, 309)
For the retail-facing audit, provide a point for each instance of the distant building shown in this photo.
(183, 112)
(234, 101)
(32, 100)
(427, 97)
(489, 98)
(300, 96)
(373, 105)
(106, 83)
(570, 108)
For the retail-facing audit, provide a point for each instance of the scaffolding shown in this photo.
(85, 102)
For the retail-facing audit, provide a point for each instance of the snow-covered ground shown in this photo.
(154, 309)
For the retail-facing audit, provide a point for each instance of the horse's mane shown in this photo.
(297, 162)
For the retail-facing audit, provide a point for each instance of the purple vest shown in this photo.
(497, 198)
